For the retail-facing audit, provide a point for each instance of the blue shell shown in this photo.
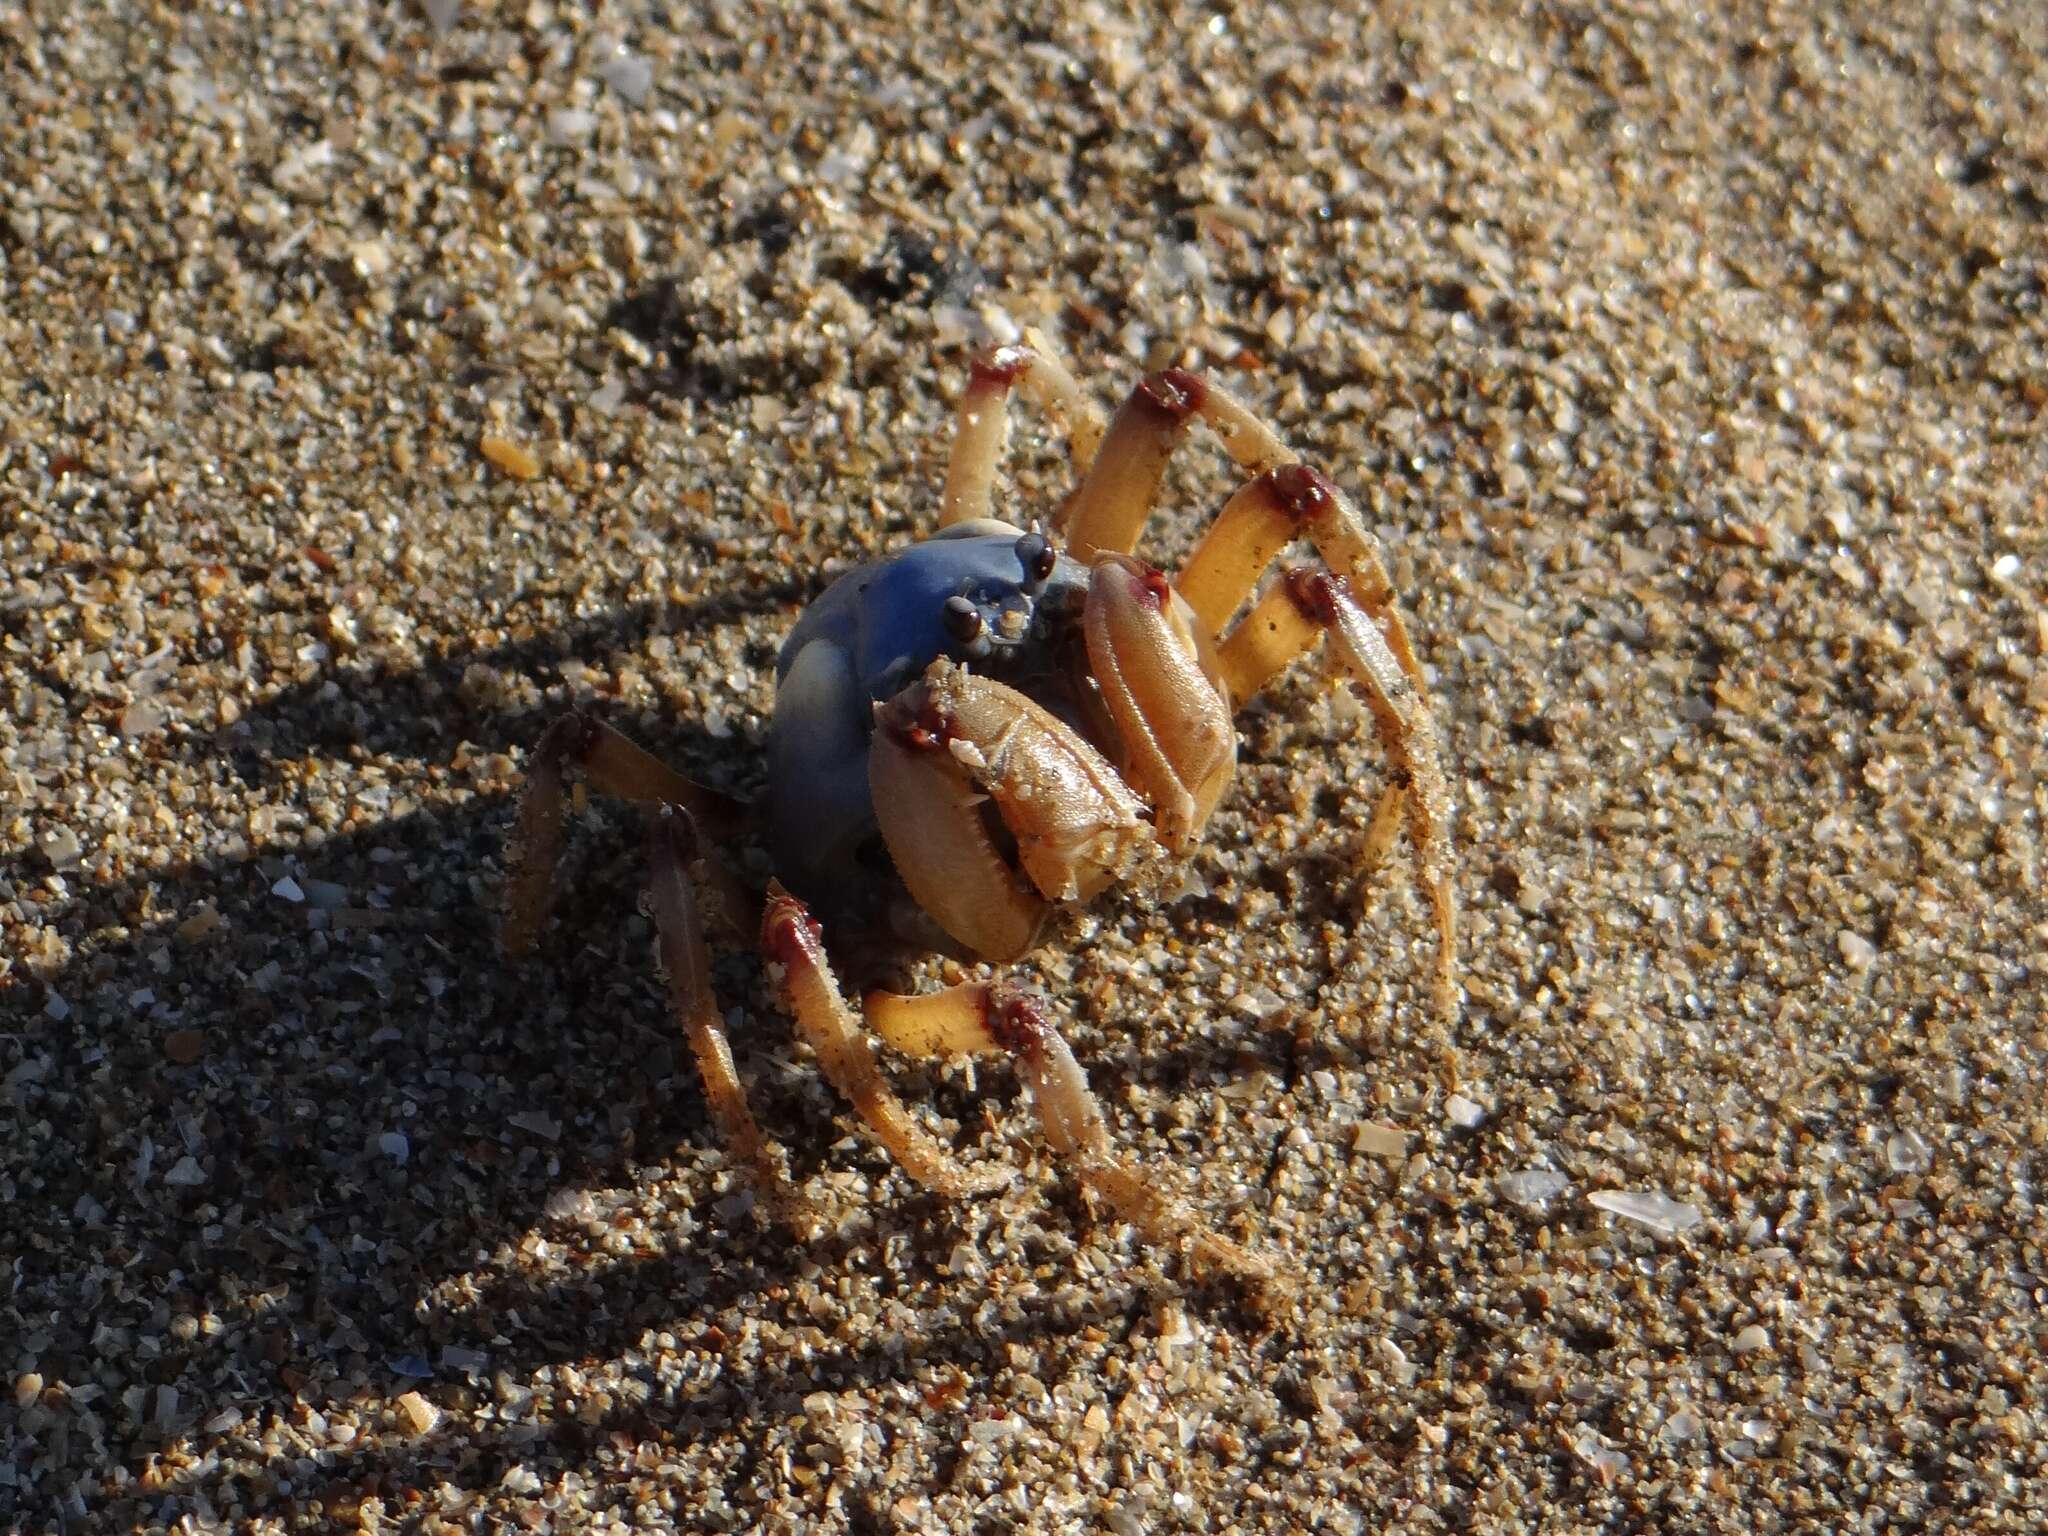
(866, 637)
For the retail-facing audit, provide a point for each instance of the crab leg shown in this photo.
(1284, 499)
(1108, 512)
(1268, 513)
(982, 428)
(984, 1018)
(792, 939)
(615, 765)
(536, 845)
(686, 961)
(1281, 626)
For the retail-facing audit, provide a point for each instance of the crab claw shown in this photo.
(1159, 684)
(967, 772)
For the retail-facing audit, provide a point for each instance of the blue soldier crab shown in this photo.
(995, 722)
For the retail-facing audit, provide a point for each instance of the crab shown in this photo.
(995, 723)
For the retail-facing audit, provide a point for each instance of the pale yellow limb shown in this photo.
(994, 1018)
(982, 428)
(686, 961)
(1407, 729)
(792, 940)
(1284, 623)
(1109, 511)
(1265, 642)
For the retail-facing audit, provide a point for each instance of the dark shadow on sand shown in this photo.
(305, 1250)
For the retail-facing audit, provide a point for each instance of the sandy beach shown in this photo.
(378, 382)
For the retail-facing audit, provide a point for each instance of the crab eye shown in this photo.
(962, 620)
(1036, 554)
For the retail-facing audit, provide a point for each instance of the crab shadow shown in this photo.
(309, 1101)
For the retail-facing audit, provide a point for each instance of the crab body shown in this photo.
(943, 732)
(984, 594)
(892, 617)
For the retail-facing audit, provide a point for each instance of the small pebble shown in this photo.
(1378, 1140)
(1906, 1152)
(509, 458)
(185, 1046)
(1647, 1208)
(1533, 1187)
(59, 846)
(418, 1415)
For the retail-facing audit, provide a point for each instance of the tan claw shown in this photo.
(954, 746)
(1159, 684)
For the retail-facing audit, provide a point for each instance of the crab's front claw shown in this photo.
(967, 771)
(1159, 683)
(930, 813)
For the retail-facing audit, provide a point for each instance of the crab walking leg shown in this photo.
(615, 765)
(792, 939)
(1054, 390)
(686, 961)
(1280, 628)
(1410, 733)
(536, 841)
(1382, 829)
(1350, 552)
(1108, 512)
(982, 428)
(1256, 523)
(1266, 515)
(1282, 625)
(982, 1018)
